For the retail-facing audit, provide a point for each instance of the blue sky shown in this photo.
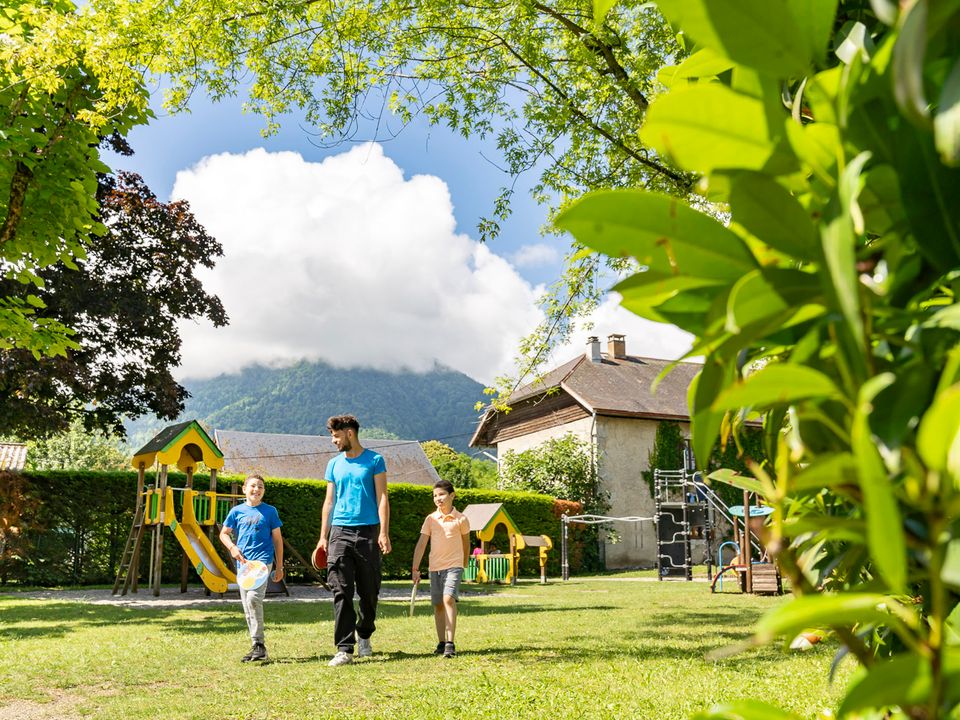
(361, 254)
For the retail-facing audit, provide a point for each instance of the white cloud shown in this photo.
(535, 255)
(349, 262)
(644, 338)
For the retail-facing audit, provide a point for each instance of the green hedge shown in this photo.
(77, 534)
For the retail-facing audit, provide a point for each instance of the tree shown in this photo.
(828, 304)
(77, 449)
(62, 89)
(123, 301)
(562, 467)
(459, 468)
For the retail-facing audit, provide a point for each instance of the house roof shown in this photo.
(306, 456)
(481, 515)
(13, 456)
(620, 387)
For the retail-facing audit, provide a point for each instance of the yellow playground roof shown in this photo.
(184, 445)
(484, 518)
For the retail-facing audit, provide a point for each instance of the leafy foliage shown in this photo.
(74, 523)
(77, 449)
(123, 300)
(827, 303)
(459, 468)
(563, 467)
(62, 89)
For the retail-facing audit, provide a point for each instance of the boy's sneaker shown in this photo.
(249, 656)
(440, 646)
(259, 652)
(364, 648)
(449, 650)
(341, 658)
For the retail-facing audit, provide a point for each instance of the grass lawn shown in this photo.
(612, 646)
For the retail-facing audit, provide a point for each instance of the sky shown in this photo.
(365, 254)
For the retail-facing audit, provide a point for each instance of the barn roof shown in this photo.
(13, 456)
(306, 456)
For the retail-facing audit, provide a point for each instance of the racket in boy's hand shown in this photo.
(413, 597)
(252, 574)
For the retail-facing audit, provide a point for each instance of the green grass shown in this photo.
(600, 647)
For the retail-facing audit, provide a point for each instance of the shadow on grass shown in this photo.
(60, 619)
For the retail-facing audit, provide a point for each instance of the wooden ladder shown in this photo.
(131, 552)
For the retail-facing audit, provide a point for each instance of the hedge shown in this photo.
(76, 531)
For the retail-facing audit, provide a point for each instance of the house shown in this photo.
(306, 456)
(607, 399)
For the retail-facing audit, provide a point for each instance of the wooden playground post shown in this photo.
(158, 532)
(211, 529)
(746, 541)
(135, 561)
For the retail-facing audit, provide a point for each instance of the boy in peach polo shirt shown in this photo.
(448, 532)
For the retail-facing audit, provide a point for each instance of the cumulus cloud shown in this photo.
(349, 262)
(535, 255)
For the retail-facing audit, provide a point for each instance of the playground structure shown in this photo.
(687, 510)
(183, 445)
(484, 519)
(760, 577)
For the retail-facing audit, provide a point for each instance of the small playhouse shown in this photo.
(488, 566)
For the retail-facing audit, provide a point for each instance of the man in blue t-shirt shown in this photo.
(355, 533)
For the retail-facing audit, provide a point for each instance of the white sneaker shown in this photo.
(364, 648)
(341, 658)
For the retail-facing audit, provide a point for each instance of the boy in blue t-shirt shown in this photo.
(257, 528)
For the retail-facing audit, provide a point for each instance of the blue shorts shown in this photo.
(445, 582)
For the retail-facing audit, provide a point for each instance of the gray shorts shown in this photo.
(445, 582)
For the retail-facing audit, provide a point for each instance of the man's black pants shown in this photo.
(353, 563)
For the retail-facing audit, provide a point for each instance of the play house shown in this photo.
(485, 519)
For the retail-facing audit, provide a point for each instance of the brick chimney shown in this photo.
(616, 346)
(593, 349)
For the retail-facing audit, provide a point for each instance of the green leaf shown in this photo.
(828, 471)
(650, 294)
(661, 232)
(767, 294)
(815, 19)
(704, 63)
(839, 248)
(946, 119)
(705, 422)
(601, 8)
(683, 125)
(735, 479)
(951, 564)
(770, 213)
(908, 53)
(903, 680)
(776, 384)
(761, 34)
(897, 408)
(888, 546)
(938, 439)
(838, 610)
(745, 710)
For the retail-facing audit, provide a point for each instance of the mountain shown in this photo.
(436, 405)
